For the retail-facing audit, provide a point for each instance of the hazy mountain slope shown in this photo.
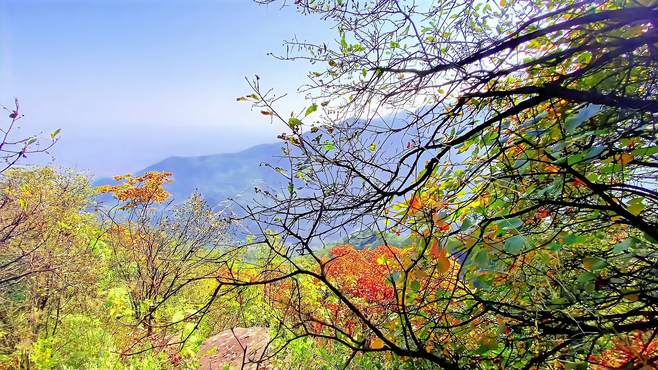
(219, 176)
(231, 175)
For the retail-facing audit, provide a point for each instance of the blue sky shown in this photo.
(133, 82)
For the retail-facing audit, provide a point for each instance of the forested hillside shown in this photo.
(472, 185)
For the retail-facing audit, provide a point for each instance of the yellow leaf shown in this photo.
(376, 343)
(392, 325)
(419, 274)
(624, 158)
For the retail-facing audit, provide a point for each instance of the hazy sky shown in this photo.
(133, 82)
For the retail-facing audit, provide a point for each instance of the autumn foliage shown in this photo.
(500, 155)
(370, 274)
(638, 350)
(364, 273)
(148, 188)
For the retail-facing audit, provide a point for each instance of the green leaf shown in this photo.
(482, 258)
(294, 122)
(574, 158)
(54, 134)
(623, 245)
(329, 145)
(594, 263)
(586, 279)
(575, 121)
(281, 171)
(178, 316)
(515, 244)
(594, 152)
(636, 206)
(483, 281)
(291, 188)
(466, 224)
(311, 109)
(510, 223)
(571, 239)
(415, 285)
(555, 247)
(638, 152)
(487, 343)
(373, 147)
(559, 301)
(421, 245)
(343, 42)
(454, 245)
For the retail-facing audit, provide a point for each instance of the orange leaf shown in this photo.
(578, 182)
(552, 168)
(624, 158)
(542, 213)
(435, 251)
(439, 254)
(439, 223)
(415, 204)
(376, 343)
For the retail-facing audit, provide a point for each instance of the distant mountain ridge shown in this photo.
(218, 177)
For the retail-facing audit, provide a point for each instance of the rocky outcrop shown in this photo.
(239, 348)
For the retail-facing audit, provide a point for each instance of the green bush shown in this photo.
(79, 343)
